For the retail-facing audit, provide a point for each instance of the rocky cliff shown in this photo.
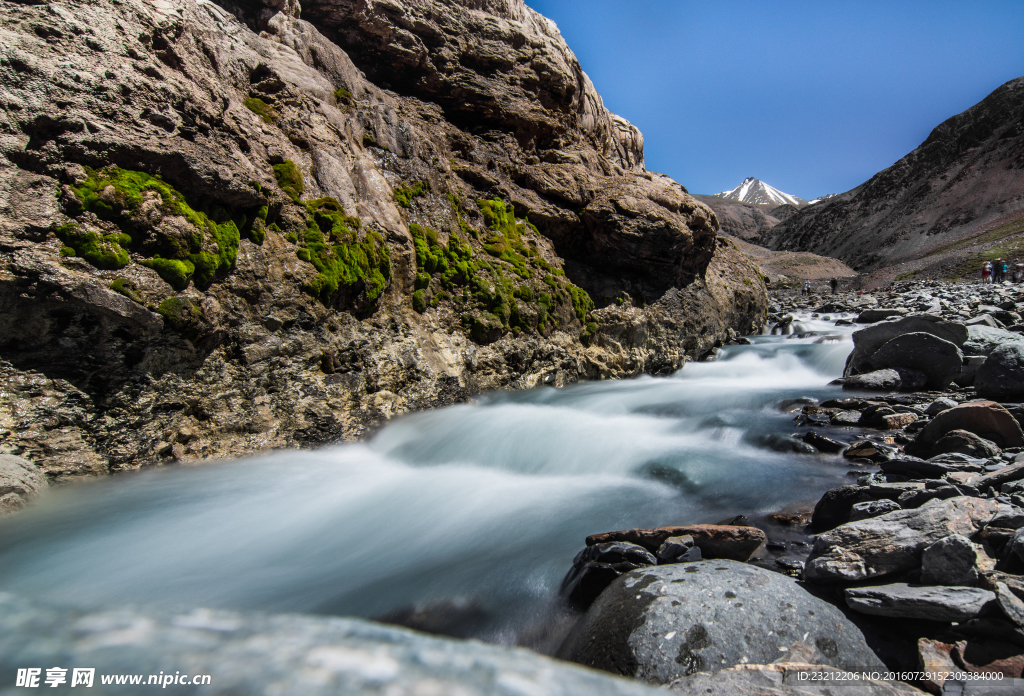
(226, 228)
(968, 173)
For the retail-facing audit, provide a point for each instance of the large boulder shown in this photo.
(986, 419)
(20, 482)
(868, 340)
(870, 316)
(714, 540)
(940, 360)
(662, 623)
(280, 654)
(895, 541)
(1001, 377)
(982, 339)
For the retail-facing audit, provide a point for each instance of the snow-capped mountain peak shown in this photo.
(756, 191)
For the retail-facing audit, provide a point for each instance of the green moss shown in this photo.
(175, 272)
(262, 109)
(368, 141)
(343, 96)
(581, 302)
(405, 193)
(180, 312)
(126, 288)
(117, 195)
(289, 179)
(419, 301)
(345, 262)
(103, 252)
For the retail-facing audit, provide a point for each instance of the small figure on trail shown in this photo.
(834, 283)
(986, 272)
(1003, 268)
(807, 288)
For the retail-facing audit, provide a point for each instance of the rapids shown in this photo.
(462, 519)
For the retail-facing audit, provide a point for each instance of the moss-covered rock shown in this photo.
(289, 179)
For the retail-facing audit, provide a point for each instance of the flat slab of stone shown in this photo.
(714, 540)
(662, 623)
(934, 603)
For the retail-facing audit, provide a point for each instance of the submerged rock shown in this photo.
(662, 623)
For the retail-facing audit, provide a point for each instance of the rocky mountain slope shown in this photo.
(759, 193)
(744, 220)
(967, 174)
(225, 228)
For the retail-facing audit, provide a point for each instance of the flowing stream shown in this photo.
(462, 519)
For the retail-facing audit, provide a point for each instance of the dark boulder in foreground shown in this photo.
(940, 360)
(280, 654)
(662, 623)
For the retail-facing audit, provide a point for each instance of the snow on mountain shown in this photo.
(755, 191)
(823, 198)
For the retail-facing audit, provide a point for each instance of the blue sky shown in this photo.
(811, 97)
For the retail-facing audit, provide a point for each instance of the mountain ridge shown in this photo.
(755, 191)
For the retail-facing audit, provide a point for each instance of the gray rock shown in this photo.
(1002, 376)
(939, 405)
(965, 442)
(915, 499)
(893, 542)
(950, 561)
(596, 566)
(877, 380)
(660, 624)
(281, 654)
(20, 482)
(1017, 544)
(937, 358)
(920, 602)
(872, 508)
(986, 320)
(983, 339)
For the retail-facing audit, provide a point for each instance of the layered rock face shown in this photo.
(965, 175)
(224, 228)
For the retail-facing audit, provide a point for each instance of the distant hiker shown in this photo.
(986, 272)
(1003, 268)
(834, 283)
(807, 288)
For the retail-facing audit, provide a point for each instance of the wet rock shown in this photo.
(872, 508)
(660, 624)
(714, 541)
(595, 567)
(920, 602)
(846, 418)
(836, 505)
(950, 561)
(940, 360)
(310, 655)
(823, 443)
(886, 418)
(20, 482)
(893, 542)
(1002, 375)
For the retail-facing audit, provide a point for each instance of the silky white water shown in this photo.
(475, 510)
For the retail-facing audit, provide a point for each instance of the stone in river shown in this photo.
(662, 623)
(939, 405)
(952, 560)
(922, 602)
